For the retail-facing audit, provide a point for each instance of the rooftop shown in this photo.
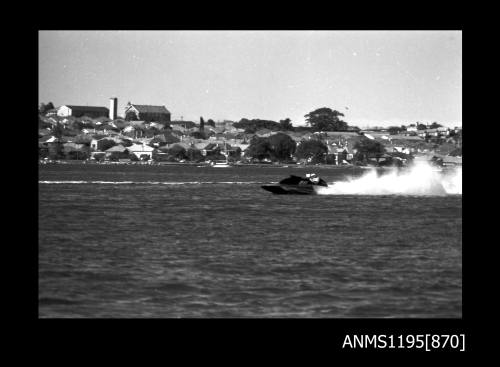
(142, 108)
(88, 108)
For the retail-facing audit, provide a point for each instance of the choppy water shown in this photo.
(150, 241)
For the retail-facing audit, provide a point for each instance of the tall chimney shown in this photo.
(113, 108)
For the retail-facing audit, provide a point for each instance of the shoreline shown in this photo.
(236, 165)
(193, 164)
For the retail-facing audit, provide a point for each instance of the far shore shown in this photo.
(199, 164)
(233, 165)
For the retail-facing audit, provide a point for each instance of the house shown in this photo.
(443, 131)
(82, 139)
(242, 146)
(215, 130)
(79, 111)
(201, 146)
(107, 129)
(400, 149)
(47, 139)
(211, 148)
(74, 147)
(181, 144)
(341, 154)
(118, 152)
(141, 149)
(440, 131)
(264, 133)
(100, 142)
(452, 161)
(43, 132)
(403, 137)
(94, 144)
(158, 140)
(147, 112)
(89, 130)
(51, 112)
(137, 129)
(225, 125)
(156, 126)
(180, 129)
(446, 160)
(119, 124)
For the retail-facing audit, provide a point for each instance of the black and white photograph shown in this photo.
(276, 174)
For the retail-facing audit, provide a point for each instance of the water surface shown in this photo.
(179, 241)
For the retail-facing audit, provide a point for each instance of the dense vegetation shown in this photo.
(326, 119)
(251, 126)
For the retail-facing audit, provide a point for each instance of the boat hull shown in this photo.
(296, 185)
(284, 190)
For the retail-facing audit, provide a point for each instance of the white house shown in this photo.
(443, 131)
(141, 149)
(403, 150)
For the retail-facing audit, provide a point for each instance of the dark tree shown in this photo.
(171, 139)
(202, 124)
(105, 144)
(456, 152)
(282, 146)
(435, 125)
(251, 126)
(126, 143)
(368, 148)
(236, 153)
(44, 108)
(150, 132)
(177, 152)
(43, 124)
(77, 125)
(286, 125)
(303, 129)
(259, 148)
(82, 139)
(211, 122)
(43, 152)
(56, 150)
(194, 154)
(421, 126)
(77, 155)
(326, 119)
(99, 156)
(393, 130)
(58, 130)
(199, 135)
(315, 150)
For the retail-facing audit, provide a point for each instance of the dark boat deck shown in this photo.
(295, 185)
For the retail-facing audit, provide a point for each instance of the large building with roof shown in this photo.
(147, 113)
(79, 111)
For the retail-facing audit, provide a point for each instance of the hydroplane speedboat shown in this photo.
(296, 185)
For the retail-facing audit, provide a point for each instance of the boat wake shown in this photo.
(419, 179)
(151, 182)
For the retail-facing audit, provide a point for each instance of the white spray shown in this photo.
(419, 179)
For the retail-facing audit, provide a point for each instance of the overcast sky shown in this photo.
(373, 77)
